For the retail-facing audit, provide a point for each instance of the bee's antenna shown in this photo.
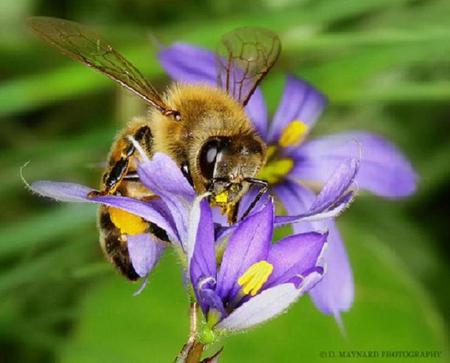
(264, 188)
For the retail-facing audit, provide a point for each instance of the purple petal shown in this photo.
(266, 305)
(335, 292)
(208, 299)
(300, 101)
(336, 295)
(64, 192)
(249, 198)
(163, 174)
(302, 281)
(222, 230)
(145, 251)
(248, 244)
(189, 64)
(334, 196)
(164, 178)
(295, 255)
(219, 218)
(153, 211)
(384, 169)
(334, 211)
(336, 186)
(295, 197)
(200, 247)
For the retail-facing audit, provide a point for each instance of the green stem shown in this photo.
(193, 349)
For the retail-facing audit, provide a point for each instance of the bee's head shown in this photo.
(226, 162)
(215, 137)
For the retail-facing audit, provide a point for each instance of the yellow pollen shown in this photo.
(222, 197)
(255, 277)
(275, 170)
(127, 223)
(271, 152)
(293, 133)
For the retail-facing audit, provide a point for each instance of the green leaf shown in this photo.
(47, 226)
(80, 154)
(33, 91)
(118, 327)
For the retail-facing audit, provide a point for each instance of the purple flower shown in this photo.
(383, 171)
(256, 280)
(169, 212)
(172, 211)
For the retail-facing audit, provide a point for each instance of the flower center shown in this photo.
(255, 277)
(293, 134)
(127, 223)
(277, 167)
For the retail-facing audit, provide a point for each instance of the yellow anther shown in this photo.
(222, 197)
(271, 151)
(127, 223)
(276, 170)
(293, 133)
(255, 277)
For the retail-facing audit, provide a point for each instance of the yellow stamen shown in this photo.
(293, 133)
(222, 197)
(271, 151)
(127, 223)
(255, 277)
(275, 170)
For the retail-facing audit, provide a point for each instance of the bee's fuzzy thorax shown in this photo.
(207, 108)
(206, 112)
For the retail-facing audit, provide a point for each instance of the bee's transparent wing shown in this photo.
(83, 45)
(244, 57)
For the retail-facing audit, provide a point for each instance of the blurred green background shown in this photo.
(384, 64)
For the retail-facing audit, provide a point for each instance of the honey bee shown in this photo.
(204, 129)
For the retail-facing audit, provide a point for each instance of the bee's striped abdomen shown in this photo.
(114, 245)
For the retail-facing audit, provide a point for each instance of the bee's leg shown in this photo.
(118, 171)
(264, 188)
(114, 176)
(233, 215)
(133, 177)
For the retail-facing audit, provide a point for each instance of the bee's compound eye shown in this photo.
(186, 172)
(208, 157)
